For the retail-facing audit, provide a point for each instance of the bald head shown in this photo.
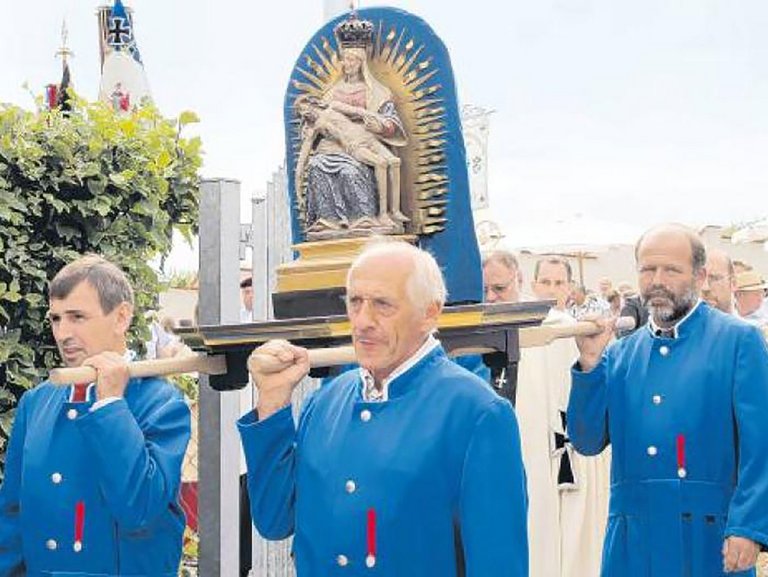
(676, 231)
(670, 262)
(720, 283)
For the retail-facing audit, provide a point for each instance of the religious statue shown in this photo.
(347, 162)
(121, 101)
(374, 146)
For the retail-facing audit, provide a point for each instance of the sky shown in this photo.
(610, 110)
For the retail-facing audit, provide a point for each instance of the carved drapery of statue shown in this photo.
(374, 142)
(348, 167)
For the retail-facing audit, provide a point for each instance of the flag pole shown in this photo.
(64, 51)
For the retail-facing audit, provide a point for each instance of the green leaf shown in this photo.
(188, 117)
(92, 181)
(34, 299)
(12, 297)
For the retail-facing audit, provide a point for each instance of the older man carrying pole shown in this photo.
(393, 463)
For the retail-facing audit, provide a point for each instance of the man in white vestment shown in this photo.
(568, 493)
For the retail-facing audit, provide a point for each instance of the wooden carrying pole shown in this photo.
(197, 363)
(325, 357)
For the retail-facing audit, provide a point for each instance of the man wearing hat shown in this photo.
(750, 293)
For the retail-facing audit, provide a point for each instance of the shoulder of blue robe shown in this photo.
(436, 364)
(449, 386)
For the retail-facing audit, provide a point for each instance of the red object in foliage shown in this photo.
(189, 503)
(52, 96)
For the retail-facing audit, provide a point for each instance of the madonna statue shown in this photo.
(347, 164)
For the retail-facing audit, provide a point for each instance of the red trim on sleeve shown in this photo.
(681, 451)
(79, 520)
(79, 392)
(371, 532)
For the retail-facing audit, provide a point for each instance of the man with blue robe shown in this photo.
(93, 470)
(683, 402)
(396, 462)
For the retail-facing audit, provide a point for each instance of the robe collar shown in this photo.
(679, 328)
(372, 394)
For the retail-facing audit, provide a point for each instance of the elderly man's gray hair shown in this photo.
(425, 281)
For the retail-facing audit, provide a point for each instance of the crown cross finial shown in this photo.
(64, 52)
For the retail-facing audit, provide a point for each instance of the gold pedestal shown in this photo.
(323, 264)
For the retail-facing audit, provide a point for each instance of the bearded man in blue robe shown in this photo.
(683, 402)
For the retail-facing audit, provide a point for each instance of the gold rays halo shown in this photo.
(402, 65)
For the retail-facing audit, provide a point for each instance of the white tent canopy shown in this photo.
(753, 232)
(573, 234)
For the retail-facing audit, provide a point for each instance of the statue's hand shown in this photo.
(373, 123)
(346, 109)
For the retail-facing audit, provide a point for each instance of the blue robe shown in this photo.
(120, 464)
(671, 505)
(440, 457)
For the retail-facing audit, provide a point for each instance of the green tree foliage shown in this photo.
(90, 180)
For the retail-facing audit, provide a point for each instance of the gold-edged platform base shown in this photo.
(323, 264)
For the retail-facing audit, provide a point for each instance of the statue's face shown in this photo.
(350, 63)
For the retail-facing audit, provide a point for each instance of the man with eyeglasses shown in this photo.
(407, 466)
(568, 493)
(720, 283)
(502, 278)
